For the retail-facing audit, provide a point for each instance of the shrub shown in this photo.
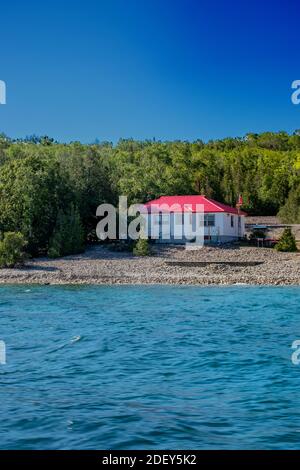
(141, 248)
(287, 241)
(54, 252)
(68, 236)
(12, 249)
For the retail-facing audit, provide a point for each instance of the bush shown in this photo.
(68, 236)
(54, 252)
(141, 248)
(287, 241)
(12, 250)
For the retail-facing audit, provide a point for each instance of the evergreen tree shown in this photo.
(290, 212)
(68, 236)
(141, 248)
(287, 241)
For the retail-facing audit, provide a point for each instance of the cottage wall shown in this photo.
(168, 228)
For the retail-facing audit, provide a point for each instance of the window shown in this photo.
(178, 225)
(178, 218)
(155, 219)
(232, 221)
(209, 220)
(165, 219)
(190, 222)
(165, 226)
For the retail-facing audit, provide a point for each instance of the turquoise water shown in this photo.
(149, 367)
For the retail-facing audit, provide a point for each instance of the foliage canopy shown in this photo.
(40, 179)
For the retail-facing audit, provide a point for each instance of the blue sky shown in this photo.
(169, 69)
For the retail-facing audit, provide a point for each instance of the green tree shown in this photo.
(12, 252)
(141, 248)
(68, 236)
(290, 212)
(287, 241)
(31, 192)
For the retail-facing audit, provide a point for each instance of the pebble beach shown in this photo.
(168, 265)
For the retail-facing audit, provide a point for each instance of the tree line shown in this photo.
(49, 189)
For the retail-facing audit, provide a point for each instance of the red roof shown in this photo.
(188, 204)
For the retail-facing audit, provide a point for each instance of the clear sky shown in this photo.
(169, 69)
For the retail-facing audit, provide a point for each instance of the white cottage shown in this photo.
(172, 218)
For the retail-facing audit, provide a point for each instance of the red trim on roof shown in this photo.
(189, 204)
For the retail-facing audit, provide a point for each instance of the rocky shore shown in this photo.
(102, 266)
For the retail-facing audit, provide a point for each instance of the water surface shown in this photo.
(149, 367)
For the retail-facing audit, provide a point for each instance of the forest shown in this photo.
(49, 191)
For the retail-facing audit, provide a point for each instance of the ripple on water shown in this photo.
(149, 367)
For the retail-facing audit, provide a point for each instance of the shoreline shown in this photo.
(106, 284)
(100, 266)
